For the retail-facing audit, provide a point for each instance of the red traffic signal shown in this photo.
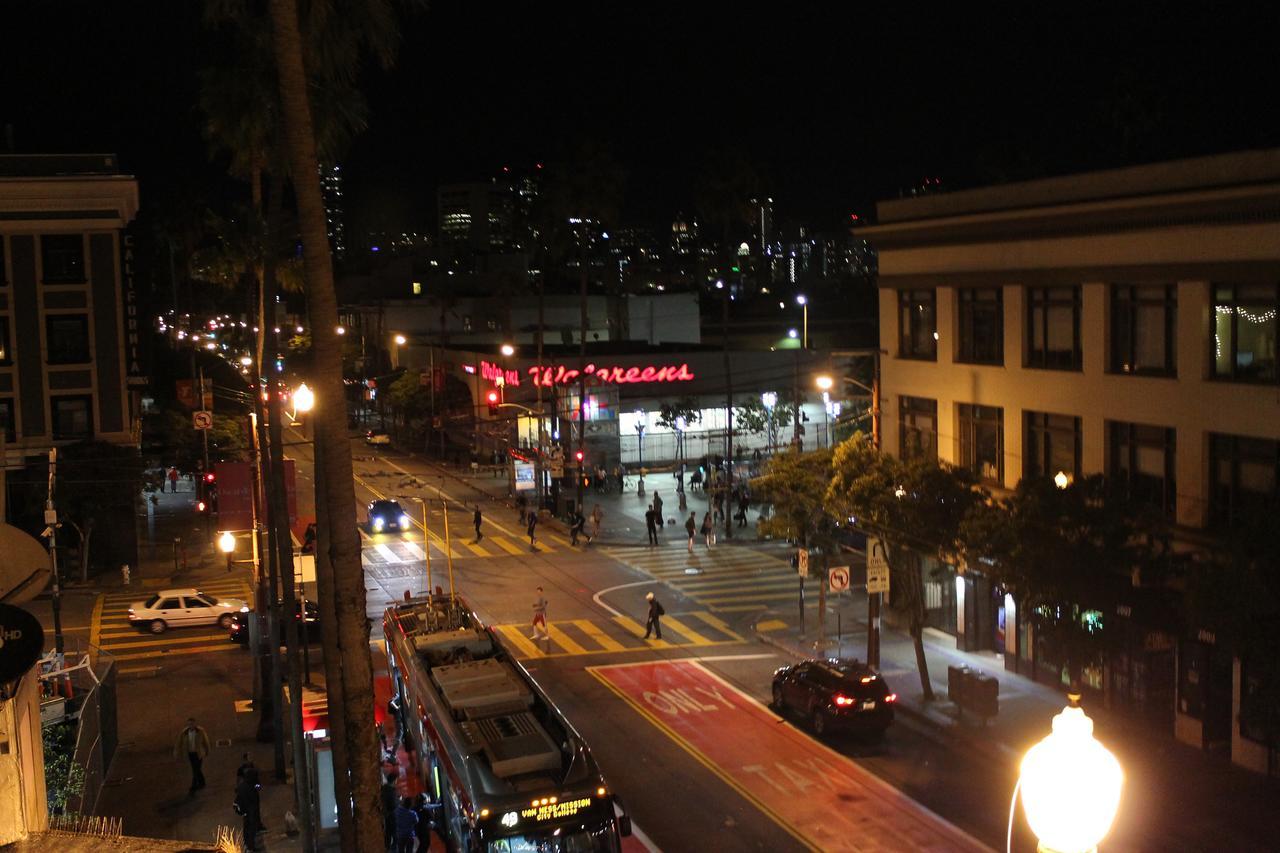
(578, 455)
(492, 398)
(208, 478)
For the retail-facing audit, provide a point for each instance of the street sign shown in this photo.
(202, 420)
(802, 562)
(877, 567)
(838, 578)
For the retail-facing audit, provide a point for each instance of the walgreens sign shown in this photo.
(611, 375)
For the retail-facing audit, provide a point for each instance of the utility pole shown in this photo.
(51, 520)
(540, 492)
(581, 457)
(728, 408)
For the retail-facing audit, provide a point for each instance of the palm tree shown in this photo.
(336, 43)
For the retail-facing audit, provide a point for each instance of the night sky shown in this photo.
(836, 108)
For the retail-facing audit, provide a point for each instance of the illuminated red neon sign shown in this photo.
(561, 375)
(497, 375)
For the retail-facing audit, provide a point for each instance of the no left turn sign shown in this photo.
(202, 420)
(838, 578)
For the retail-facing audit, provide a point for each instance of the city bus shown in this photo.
(505, 770)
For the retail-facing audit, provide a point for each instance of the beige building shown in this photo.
(1122, 322)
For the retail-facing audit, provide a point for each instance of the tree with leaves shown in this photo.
(914, 507)
(754, 417)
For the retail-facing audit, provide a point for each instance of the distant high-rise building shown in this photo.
(476, 216)
(331, 188)
(761, 224)
(684, 234)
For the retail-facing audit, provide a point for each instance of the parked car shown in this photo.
(239, 632)
(377, 437)
(386, 515)
(179, 608)
(839, 693)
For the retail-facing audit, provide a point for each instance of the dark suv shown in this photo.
(839, 693)
(385, 515)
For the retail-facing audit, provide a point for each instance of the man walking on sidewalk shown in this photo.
(656, 612)
(173, 478)
(691, 527)
(651, 525)
(540, 618)
(194, 743)
(657, 508)
(532, 530)
(477, 519)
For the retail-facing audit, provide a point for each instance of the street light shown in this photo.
(1070, 785)
(508, 350)
(227, 545)
(1061, 479)
(803, 302)
(246, 360)
(824, 383)
(401, 340)
(304, 399)
(641, 417)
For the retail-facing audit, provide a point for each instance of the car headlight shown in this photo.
(244, 608)
(404, 521)
(377, 523)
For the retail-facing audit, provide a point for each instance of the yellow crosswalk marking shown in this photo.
(167, 641)
(694, 637)
(474, 548)
(515, 634)
(509, 547)
(564, 641)
(718, 624)
(739, 608)
(637, 631)
(719, 597)
(197, 650)
(606, 642)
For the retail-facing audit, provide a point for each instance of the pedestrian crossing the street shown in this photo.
(569, 637)
(724, 578)
(110, 631)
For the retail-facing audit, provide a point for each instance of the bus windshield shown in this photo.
(599, 840)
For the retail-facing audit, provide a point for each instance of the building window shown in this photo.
(1257, 707)
(982, 442)
(3, 279)
(1143, 319)
(917, 428)
(6, 351)
(981, 318)
(72, 417)
(1142, 460)
(67, 338)
(62, 258)
(1053, 327)
(1244, 331)
(918, 324)
(6, 419)
(1052, 445)
(1244, 476)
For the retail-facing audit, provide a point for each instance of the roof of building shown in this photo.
(57, 165)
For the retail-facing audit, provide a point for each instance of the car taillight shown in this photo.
(130, 611)
(892, 697)
(841, 699)
(867, 679)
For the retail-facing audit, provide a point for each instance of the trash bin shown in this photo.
(956, 678)
(984, 695)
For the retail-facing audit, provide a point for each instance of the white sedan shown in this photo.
(178, 608)
(376, 437)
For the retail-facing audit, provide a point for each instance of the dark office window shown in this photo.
(1053, 327)
(1052, 445)
(1143, 330)
(1245, 324)
(917, 428)
(6, 351)
(72, 417)
(1244, 473)
(62, 258)
(1142, 460)
(6, 419)
(917, 324)
(982, 442)
(67, 338)
(3, 278)
(981, 316)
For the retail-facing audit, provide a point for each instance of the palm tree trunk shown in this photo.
(333, 449)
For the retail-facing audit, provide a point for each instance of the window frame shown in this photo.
(967, 342)
(6, 342)
(80, 277)
(1126, 296)
(1038, 423)
(908, 325)
(907, 408)
(8, 427)
(1130, 441)
(49, 321)
(55, 431)
(1040, 297)
(1232, 303)
(1227, 447)
(970, 417)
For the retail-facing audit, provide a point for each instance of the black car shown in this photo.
(838, 693)
(387, 515)
(239, 631)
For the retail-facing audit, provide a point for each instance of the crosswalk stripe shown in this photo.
(564, 641)
(718, 624)
(198, 650)
(717, 599)
(515, 634)
(474, 548)
(556, 538)
(735, 577)
(213, 588)
(509, 547)
(694, 637)
(637, 631)
(414, 549)
(740, 608)
(387, 553)
(170, 641)
(606, 642)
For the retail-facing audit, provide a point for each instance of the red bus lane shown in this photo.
(821, 797)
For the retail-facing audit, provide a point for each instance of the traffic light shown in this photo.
(492, 399)
(208, 478)
(578, 455)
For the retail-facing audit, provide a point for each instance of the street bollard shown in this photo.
(124, 574)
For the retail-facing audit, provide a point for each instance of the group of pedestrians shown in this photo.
(578, 524)
(406, 821)
(652, 625)
(707, 529)
(193, 744)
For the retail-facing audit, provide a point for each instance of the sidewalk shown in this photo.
(1174, 792)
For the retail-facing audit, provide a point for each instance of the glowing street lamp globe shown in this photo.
(304, 399)
(824, 383)
(227, 542)
(1070, 786)
(508, 349)
(769, 398)
(400, 340)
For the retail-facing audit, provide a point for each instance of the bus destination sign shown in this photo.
(548, 810)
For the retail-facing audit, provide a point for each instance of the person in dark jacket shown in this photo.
(388, 795)
(477, 520)
(651, 524)
(575, 529)
(406, 826)
(656, 612)
(691, 527)
(249, 807)
(533, 531)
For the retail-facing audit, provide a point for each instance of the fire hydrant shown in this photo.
(124, 574)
